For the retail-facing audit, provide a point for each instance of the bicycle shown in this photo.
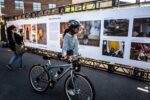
(77, 86)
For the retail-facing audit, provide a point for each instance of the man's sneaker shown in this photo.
(71, 92)
(9, 67)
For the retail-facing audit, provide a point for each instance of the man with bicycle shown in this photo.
(76, 83)
(71, 43)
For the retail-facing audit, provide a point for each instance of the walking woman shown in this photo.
(14, 37)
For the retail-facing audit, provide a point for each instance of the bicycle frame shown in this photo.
(47, 75)
(64, 73)
(70, 68)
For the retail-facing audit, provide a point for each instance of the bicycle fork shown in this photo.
(73, 79)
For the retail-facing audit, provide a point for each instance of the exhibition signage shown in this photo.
(118, 35)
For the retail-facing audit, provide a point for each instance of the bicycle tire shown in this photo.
(85, 78)
(43, 75)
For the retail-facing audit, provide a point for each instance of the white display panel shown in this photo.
(115, 35)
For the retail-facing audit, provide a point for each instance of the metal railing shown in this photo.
(129, 71)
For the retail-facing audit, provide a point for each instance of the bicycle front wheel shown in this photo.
(39, 78)
(79, 87)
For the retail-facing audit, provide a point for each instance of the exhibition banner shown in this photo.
(114, 35)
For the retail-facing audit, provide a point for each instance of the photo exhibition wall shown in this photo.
(116, 35)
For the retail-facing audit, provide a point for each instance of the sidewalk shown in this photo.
(14, 85)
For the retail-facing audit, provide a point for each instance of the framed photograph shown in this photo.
(41, 34)
(113, 48)
(140, 51)
(141, 27)
(116, 27)
(89, 33)
(27, 31)
(34, 33)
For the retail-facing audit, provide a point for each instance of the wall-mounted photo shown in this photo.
(41, 34)
(141, 27)
(140, 51)
(34, 33)
(89, 33)
(27, 31)
(116, 27)
(113, 48)
(34, 28)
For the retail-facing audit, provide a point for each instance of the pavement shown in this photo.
(14, 85)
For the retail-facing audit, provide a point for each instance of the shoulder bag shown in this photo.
(19, 49)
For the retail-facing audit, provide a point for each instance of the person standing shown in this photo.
(71, 43)
(14, 37)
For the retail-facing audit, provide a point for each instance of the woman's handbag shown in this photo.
(19, 49)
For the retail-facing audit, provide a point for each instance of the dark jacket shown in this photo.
(18, 40)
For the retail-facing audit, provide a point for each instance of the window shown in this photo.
(51, 6)
(19, 4)
(128, 1)
(144, 0)
(133, 1)
(2, 3)
(36, 6)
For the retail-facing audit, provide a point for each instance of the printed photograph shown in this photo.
(140, 51)
(116, 27)
(41, 34)
(34, 33)
(34, 38)
(34, 28)
(89, 33)
(113, 48)
(141, 27)
(27, 31)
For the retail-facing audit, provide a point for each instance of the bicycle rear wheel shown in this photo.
(39, 78)
(79, 88)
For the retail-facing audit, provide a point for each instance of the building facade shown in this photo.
(16, 7)
(81, 1)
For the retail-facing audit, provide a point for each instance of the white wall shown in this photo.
(53, 31)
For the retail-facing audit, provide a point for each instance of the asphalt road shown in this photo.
(14, 85)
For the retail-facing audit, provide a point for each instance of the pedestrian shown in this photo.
(14, 37)
(71, 43)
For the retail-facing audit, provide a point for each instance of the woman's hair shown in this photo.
(10, 28)
(66, 31)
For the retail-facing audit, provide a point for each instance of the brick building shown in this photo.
(16, 7)
(81, 1)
